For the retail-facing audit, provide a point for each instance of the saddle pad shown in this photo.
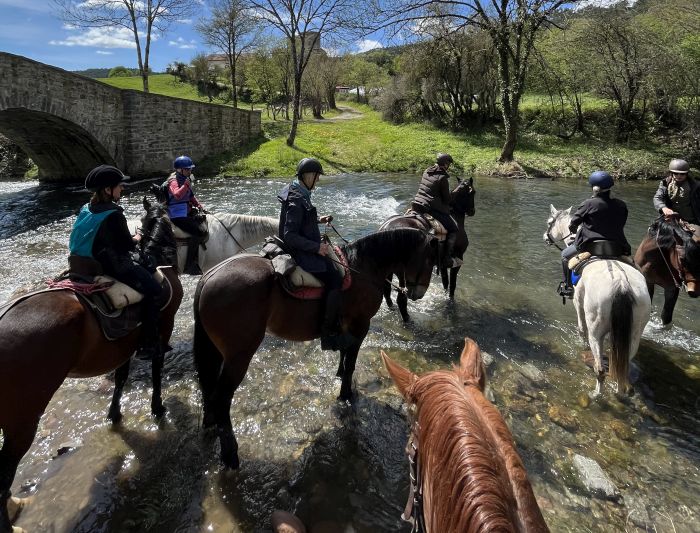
(579, 261)
(122, 295)
(315, 292)
(301, 278)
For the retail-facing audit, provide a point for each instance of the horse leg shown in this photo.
(15, 445)
(444, 276)
(207, 362)
(670, 297)
(650, 288)
(349, 360)
(597, 347)
(157, 407)
(453, 281)
(402, 299)
(341, 365)
(387, 291)
(120, 375)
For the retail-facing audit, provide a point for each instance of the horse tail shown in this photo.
(207, 360)
(621, 337)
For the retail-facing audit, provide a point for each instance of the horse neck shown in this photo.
(455, 464)
(246, 229)
(390, 256)
(161, 243)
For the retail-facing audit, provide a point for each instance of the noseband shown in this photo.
(550, 238)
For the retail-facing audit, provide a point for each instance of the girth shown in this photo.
(413, 513)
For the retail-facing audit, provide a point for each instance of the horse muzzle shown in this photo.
(417, 292)
(693, 290)
(547, 240)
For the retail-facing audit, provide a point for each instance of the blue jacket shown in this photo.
(298, 227)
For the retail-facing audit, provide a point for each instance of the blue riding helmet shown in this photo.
(601, 179)
(183, 162)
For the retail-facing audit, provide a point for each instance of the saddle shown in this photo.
(431, 223)
(296, 281)
(597, 251)
(181, 235)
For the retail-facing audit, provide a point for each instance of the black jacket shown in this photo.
(661, 198)
(433, 192)
(113, 242)
(600, 218)
(298, 228)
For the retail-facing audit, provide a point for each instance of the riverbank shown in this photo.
(366, 143)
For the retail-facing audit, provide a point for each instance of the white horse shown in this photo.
(229, 234)
(611, 299)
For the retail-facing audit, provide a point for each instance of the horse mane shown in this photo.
(389, 246)
(692, 256)
(251, 226)
(158, 241)
(667, 232)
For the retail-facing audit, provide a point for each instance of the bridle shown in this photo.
(413, 512)
(416, 282)
(550, 238)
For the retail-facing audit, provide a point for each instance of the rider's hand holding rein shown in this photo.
(324, 249)
(326, 219)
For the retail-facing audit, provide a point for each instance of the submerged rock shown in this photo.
(531, 372)
(563, 417)
(595, 479)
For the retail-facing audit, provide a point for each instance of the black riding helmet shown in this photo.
(309, 164)
(443, 159)
(104, 176)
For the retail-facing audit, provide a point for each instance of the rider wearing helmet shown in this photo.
(679, 195)
(433, 198)
(101, 233)
(181, 200)
(298, 228)
(600, 218)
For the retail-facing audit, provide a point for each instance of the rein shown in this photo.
(231, 234)
(669, 267)
(413, 513)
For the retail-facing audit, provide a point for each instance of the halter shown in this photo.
(551, 240)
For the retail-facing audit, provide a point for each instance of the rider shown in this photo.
(433, 198)
(601, 218)
(100, 232)
(679, 195)
(298, 228)
(181, 200)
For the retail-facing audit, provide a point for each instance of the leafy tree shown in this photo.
(231, 30)
(119, 72)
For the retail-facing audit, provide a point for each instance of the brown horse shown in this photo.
(669, 256)
(238, 301)
(468, 474)
(50, 336)
(461, 206)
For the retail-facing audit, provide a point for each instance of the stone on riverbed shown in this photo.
(595, 479)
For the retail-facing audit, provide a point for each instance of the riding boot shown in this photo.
(149, 342)
(565, 289)
(449, 260)
(330, 335)
(191, 265)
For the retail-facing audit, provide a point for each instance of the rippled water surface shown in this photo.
(342, 468)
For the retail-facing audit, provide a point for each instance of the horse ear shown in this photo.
(471, 367)
(471, 181)
(552, 210)
(146, 204)
(568, 211)
(403, 378)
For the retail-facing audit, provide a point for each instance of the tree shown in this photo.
(137, 16)
(362, 74)
(232, 30)
(512, 26)
(119, 72)
(303, 23)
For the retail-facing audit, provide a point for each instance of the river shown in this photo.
(343, 469)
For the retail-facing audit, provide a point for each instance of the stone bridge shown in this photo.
(68, 123)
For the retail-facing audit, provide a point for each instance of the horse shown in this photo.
(241, 299)
(669, 256)
(49, 336)
(461, 206)
(611, 299)
(466, 474)
(229, 234)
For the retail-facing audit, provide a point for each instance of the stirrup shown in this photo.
(565, 291)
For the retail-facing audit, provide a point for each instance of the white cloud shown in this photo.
(368, 44)
(185, 21)
(181, 43)
(104, 53)
(100, 37)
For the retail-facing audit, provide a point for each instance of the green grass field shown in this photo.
(368, 144)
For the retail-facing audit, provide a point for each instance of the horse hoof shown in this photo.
(284, 522)
(115, 417)
(15, 506)
(667, 326)
(158, 410)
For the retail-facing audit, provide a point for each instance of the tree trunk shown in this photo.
(295, 109)
(358, 94)
(511, 127)
(330, 96)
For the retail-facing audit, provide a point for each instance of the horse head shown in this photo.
(691, 262)
(157, 238)
(558, 226)
(419, 269)
(670, 235)
(463, 198)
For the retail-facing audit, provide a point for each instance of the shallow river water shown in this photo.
(343, 469)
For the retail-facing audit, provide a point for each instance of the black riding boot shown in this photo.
(149, 343)
(565, 289)
(191, 266)
(330, 334)
(448, 257)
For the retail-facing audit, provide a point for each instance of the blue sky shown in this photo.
(31, 28)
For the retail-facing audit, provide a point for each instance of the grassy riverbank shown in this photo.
(368, 144)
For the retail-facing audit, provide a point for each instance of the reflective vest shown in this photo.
(85, 229)
(179, 208)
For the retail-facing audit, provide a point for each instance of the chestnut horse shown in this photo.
(669, 256)
(238, 301)
(461, 206)
(50, 336)
(466, 475)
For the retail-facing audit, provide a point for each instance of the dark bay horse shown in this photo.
(461, 206)
(50, 336)
(669, 256)
(469, 475)
(238, 301)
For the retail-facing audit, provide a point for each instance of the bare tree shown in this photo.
(512, 26)
(303, 23)
(137, 16)
(232, 30)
